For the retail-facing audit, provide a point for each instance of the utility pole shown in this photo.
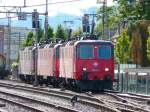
(35, 24)
(24, 3)
(68, 28)
(104, 2)
(19, 39)
(46, 21)
(106, 20)
(8, 44)
(93, 23)
(103, 18)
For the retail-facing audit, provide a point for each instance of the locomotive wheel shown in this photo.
(55, 83)
(79, 89)
(48, 81)
(32, 79)
(27, 79)
(22, 78)
(62, 84)
(40, 78)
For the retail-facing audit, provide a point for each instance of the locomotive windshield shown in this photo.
(86, 51)
(104, 52)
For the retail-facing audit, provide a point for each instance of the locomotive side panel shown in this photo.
(26, 62)
(29, 62)
(45, 62)
(20, 62)
(67, 60)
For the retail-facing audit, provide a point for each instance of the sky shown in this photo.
(55, 8)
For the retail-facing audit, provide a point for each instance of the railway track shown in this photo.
(119, 103)
(84, 100)
(19, 104)
(32, 104)
(131, 105)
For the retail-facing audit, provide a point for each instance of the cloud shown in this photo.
(76, 8)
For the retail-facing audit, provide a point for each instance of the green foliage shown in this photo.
(77, 32)
(126, 9)
(14, 65)
(139, 9)
(60, 33)
(148, 48)
(50, 32)
(144, 9)
(148, 45)
(111, 17)
(122, 48)
(29, 41)
(139, 36)
(99, 27)
(18, 57)
(40, 34)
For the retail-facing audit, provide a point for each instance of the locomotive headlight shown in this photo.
(84, 69)
(106, 69)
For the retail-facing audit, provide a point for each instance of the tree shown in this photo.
(136, 13)
(139, 36)
(122, 48)
(77, 32)
(30, 40)
(145, 9)
(132, 15)
(50, 32)
(60, 33)
(111, 20)
(148, 45)
(110, 16)
(148, 48)
(40, 34)
(139, 9)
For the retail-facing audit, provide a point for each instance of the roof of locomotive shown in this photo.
(28, 48)
(57, 45)
(52, 45)
(75, 43)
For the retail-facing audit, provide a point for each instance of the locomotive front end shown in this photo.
(95, 65)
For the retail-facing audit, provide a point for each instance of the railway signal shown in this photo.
(85, 23)
(35, 19)
(35, 24)
(22, 16)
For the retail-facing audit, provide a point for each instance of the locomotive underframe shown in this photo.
(79, 85)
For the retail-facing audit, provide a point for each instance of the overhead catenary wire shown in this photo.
(69, 1)
(38, 5)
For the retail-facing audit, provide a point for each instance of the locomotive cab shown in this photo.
(94, 64)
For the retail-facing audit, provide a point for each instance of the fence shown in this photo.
(136, 81)
(119, 75)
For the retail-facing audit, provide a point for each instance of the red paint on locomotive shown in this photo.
(82, 62)
(72, 66)
(56, 60)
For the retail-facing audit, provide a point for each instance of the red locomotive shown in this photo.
(87, 64)
(83, 64)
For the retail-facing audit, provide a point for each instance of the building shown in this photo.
(12, 36)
